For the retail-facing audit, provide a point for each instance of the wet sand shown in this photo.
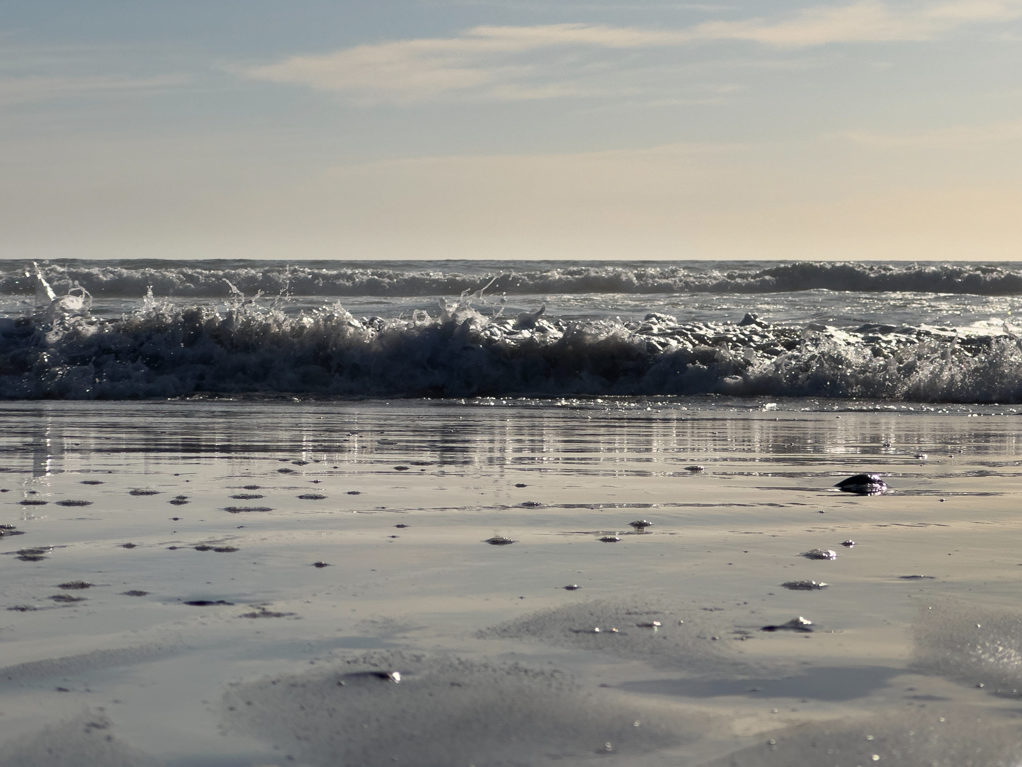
(253, 583)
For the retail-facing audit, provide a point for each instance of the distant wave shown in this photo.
(211, 279)
(166, 351)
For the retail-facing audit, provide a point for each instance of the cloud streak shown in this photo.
(22, 90)
(869, 21)
(955, 137)
(502, 62)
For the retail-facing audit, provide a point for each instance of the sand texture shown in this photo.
(258, 583)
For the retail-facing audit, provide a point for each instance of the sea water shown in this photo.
(907, 332)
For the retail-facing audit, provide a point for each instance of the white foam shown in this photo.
(191, 278)
(252, 346)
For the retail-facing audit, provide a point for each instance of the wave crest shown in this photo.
(251, 347)
(206, 279)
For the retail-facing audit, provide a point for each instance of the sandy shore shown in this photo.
(310, 583)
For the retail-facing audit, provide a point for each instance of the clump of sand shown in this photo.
(446, 710)
(636, 630)
(951, 737)
(87, 739)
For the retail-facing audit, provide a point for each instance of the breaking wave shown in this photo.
(252, 347)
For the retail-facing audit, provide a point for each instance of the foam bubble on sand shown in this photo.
(971, 645)
(86, 739)
(689, 637)
(953, 737)
(446, 710)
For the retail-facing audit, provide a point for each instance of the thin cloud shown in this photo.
(486, 62)
(870, 21)
(960, 136)
(501, 62)
(21, 90)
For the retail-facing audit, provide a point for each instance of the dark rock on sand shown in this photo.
(820, 554)
(863, 484)
(800, 624)
(804, 585)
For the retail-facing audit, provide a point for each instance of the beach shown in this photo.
(293, 581)
(511, 384)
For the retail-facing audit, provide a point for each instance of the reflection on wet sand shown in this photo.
(364, 527)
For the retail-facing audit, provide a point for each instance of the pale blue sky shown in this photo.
(511, 129)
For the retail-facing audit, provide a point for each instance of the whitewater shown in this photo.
(894, 332)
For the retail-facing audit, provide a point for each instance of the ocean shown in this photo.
(249, 513)
(912, 332)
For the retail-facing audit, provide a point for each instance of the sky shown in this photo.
(511, 129)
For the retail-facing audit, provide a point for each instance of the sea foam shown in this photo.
(198, 279)
(248, 346)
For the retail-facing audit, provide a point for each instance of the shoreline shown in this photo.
(370, 556)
